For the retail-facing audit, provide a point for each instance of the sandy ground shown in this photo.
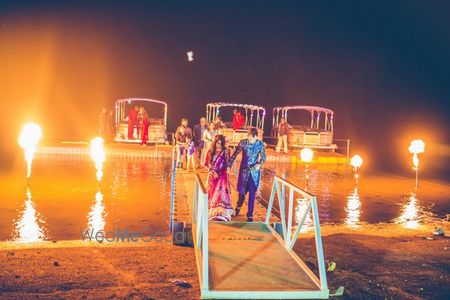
(373, 262)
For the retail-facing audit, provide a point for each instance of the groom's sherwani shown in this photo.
(252, 154)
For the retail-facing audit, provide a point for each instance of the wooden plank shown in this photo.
(248, 257)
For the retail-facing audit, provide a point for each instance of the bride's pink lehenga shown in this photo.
(219, 193)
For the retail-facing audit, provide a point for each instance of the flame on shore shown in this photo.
(416, 147)
(98, 155)
(28, 140)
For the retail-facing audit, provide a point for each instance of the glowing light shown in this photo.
(28, 228)
(97, 215)
(306, 155)
(353, 209)
(28, 140)
(190, 55)
(416, 147)
(98, 155)
(409, 217)
(356, 161)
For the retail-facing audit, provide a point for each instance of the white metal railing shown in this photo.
(200, 232)
(290, 237)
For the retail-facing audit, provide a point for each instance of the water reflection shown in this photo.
(409, 217)
(302, 206)
(30, 225)
(97, 215)
(353, 209)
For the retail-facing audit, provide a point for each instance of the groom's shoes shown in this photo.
(237, 211)
(250, 219)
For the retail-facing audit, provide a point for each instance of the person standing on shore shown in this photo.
(283, 132)
(208, 139)
(103, 123)
(253, 157)
(180, 145)
(199, 129)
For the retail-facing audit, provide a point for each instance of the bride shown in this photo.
(219, 193)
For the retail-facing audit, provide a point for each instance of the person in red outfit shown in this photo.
(238, 119)
(144, 128)
(132, 121)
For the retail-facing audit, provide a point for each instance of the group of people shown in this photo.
(138, 121)
(207, 144)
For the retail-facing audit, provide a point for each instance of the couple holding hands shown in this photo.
(218, 184)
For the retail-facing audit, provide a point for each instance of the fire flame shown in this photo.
(28, 140)
(356, 161)
(416, 147)
(98, 155)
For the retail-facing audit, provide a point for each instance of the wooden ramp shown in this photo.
(241, 260)
(249, 257)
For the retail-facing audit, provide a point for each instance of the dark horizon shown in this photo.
(383, 67)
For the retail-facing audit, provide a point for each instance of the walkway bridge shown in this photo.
(241, 260)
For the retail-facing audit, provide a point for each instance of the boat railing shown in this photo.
(344, 146)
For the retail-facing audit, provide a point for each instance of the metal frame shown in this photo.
(200, 233)
(289, 239)
(200, 237)
(213, 109)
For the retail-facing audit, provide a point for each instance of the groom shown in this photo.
(253, 156)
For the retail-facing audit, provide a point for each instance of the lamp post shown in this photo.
(416, 147)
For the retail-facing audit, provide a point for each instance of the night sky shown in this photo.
(382, 66)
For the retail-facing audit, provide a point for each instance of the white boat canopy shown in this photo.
(254, 115)
(316, 113)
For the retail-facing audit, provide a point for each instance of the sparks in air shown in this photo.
(28, 140)
(98, 155)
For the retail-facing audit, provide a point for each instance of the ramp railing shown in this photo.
(200, 232)
(172, 188)
(290, 236)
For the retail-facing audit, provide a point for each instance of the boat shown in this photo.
(157, 111)
(253, 115)
(317, 133)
